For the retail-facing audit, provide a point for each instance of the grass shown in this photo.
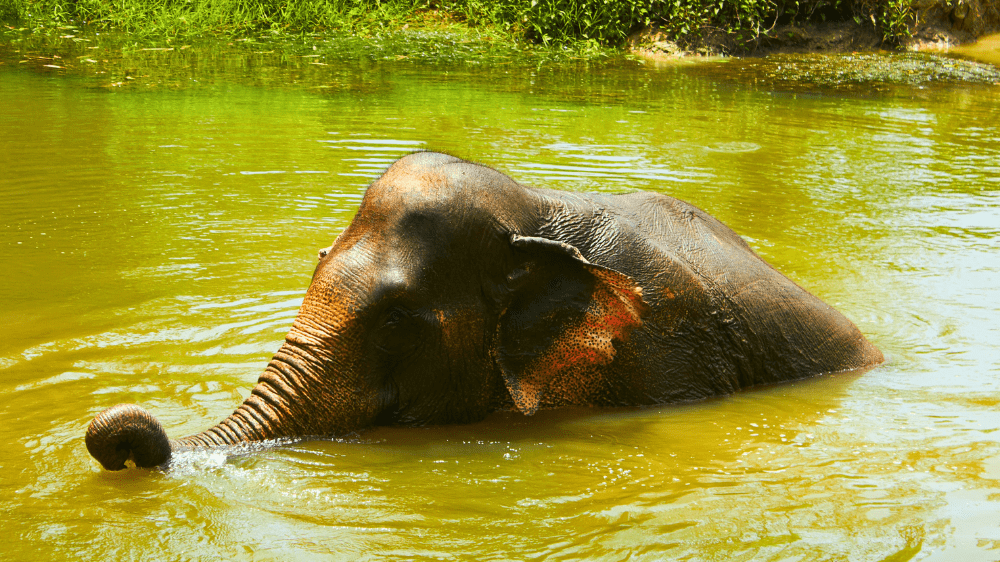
(197, 17)
(586, 24)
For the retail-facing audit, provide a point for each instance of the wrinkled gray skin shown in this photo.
(455, 292)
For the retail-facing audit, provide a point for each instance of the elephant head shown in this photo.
(438, 304)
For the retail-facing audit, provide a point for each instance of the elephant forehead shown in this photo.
(422, 235)
(408, 209)
(452, 192)
(403, 185)
(407, 184)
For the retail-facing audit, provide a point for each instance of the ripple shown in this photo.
(734, 147)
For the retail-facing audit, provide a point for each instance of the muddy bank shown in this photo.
(941, 24)
(935, 25)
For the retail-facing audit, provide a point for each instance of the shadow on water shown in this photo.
(334, 64)
(112, 61)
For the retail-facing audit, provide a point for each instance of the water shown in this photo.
(986, 49)
(157, 238)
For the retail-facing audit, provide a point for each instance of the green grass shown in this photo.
(598, 23)
(196, 17)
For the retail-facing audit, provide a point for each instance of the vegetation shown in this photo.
(594, 22)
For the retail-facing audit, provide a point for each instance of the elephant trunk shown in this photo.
(128, 431)
(125, 431)
(274, 409)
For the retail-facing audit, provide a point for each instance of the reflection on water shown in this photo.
(986, 49)
(157, 244)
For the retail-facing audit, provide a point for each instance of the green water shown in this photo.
(986, 49)
(157, 237)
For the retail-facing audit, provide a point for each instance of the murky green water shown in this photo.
(986, 49)
(156, 241)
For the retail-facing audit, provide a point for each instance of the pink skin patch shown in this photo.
(569, 369)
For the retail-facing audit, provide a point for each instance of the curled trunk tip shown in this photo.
(127, 431)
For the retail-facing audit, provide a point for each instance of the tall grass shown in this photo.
(191, 17)
(601, 22)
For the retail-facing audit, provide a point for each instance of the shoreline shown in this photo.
(937, 31)
(65, 48)
(658, 31)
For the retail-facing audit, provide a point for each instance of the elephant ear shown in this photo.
(563, 318)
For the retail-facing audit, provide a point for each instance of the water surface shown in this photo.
(157, 240)
(986, 49)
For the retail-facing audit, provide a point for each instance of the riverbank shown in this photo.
(648, 28)
(930, 25)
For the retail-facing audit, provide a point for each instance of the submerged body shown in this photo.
(456, 291)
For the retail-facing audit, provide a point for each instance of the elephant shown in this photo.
(456, 292)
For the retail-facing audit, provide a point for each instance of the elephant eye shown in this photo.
(394, 317)
(398, 333)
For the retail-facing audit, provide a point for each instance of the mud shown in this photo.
(938, 25)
